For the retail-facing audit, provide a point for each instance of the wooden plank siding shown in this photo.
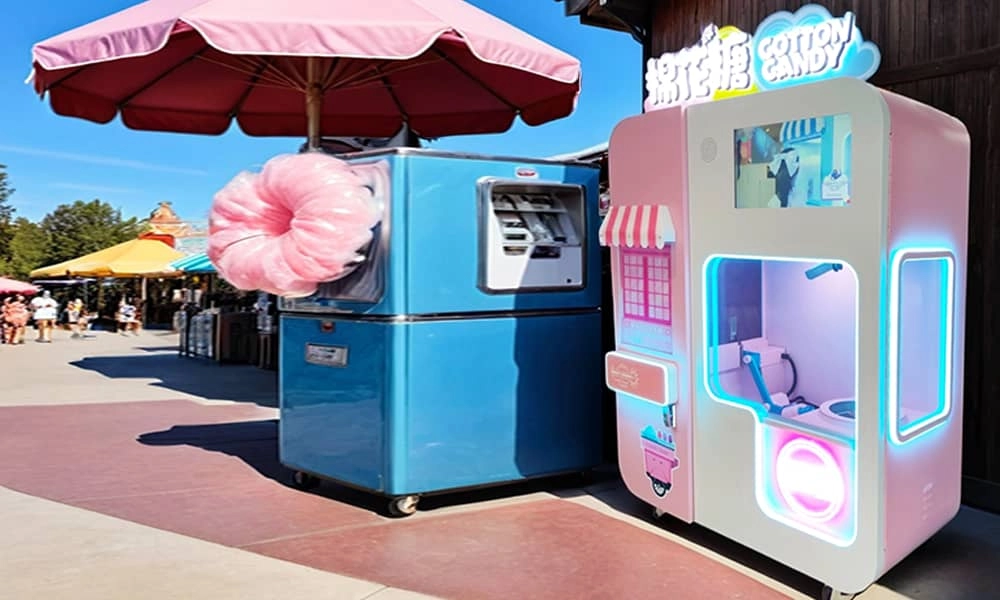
(945, 53)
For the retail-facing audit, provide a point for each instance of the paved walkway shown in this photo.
(129, 472)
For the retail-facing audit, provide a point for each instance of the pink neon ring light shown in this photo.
(809, 480)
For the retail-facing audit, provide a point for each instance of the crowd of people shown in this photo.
(17, 314)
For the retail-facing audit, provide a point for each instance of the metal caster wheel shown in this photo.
(403, 506)
(304, 481)
(831, 594)
(660, 488)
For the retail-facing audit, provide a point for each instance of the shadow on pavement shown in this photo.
(200, 378)
(256, 444)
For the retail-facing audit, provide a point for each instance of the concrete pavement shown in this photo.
(52, 551)
(105, 367)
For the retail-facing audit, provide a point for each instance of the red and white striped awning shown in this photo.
(643, 226)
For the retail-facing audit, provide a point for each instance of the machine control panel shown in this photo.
(531, 236)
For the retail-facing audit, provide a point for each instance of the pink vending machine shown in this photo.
(789, 272)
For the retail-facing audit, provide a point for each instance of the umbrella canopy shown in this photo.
(13, 286)
(134, 258)
(196, 263)
(443, 67)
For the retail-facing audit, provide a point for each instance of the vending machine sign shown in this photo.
(718, 66)
(326, 356)
(632, 375)
(787, 49)
(526, 173)
(808, 46)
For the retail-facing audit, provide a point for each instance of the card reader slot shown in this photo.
(546, 252)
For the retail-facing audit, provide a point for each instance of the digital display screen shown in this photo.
(794, 164)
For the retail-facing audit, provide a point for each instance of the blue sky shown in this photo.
(53, 160)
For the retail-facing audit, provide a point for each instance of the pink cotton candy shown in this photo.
(298, 223)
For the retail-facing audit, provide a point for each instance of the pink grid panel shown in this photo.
(646, 284)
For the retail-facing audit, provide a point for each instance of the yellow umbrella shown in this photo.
(134, 258)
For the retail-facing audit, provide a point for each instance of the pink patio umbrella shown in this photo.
(13, 286)
(363, 68)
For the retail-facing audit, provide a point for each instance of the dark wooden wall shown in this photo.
(945, 53)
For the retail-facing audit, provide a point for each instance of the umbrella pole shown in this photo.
(314, 103)
(142, 313)
(100, 296)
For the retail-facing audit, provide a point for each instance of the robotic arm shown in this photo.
(777, 403)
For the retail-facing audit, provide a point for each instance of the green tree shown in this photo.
(6, 216)
(29, 248)
(83, 227)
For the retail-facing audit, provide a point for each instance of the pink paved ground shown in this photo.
(211, 472)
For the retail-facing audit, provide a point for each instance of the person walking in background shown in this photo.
(16, 315)
(127, 318)
(83, 318)
(6, 327)
(45, 311)
(76, 315)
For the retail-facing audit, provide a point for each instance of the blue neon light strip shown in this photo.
(901, 435)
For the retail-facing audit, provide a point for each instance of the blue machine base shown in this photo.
(441, 405)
